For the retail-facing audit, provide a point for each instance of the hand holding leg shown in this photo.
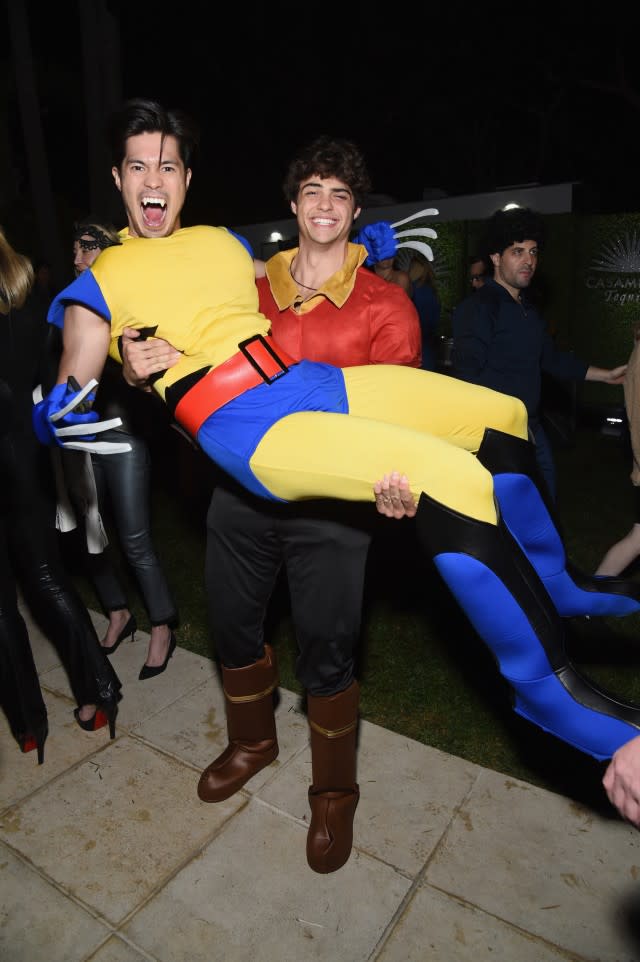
(393, 496)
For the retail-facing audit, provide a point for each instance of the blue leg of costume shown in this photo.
(503, 597)
(529, 517)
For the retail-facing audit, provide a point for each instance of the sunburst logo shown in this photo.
(620, 256)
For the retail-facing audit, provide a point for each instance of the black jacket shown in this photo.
(504, 345)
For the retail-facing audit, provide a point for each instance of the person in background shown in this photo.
(29, 556)
(479, 271)
(123, 486)
(500, 340)
(425, 297)
(625, 551)
(388, 271)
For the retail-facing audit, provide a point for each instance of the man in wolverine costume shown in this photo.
(290, 431)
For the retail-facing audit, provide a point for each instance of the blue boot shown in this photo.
(506, 603)
(529, 516)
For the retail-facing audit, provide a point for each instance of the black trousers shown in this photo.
(323, 546)
(29, 557)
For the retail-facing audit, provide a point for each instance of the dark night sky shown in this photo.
(435, 99)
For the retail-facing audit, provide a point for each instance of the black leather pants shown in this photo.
(122, 481)
(31, 559)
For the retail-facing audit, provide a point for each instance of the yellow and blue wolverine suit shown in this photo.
(317, 431)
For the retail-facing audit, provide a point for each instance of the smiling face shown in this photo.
(515, 267)
(153, 182)
(325, 210)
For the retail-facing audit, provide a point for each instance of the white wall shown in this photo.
(554, 199)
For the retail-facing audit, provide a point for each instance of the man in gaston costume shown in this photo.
(290, 431)
(323, 305)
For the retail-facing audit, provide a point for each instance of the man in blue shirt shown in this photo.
(500, 339)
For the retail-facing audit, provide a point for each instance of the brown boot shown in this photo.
(334, 794)
(251, 728)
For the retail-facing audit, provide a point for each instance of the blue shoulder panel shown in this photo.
(84, 290)
(243, 240)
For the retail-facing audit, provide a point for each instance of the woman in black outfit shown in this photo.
(29, 553)
(123, 484)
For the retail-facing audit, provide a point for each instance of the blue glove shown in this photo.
(62, 418)
(44, 415)
(379, 241)
(243, 240)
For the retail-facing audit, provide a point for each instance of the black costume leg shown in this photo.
(529, 516)
(326, 560)
(508, 606)
(243, 558)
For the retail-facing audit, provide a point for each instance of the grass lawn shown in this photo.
(423, 670)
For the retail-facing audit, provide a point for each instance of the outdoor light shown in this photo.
(613, 424)
(510, 206)
(275, 235)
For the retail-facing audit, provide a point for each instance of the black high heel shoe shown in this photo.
(104, 714)
(34, 740)
(129, 629)
(150, 671)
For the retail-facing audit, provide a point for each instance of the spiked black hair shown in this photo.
(140, 116)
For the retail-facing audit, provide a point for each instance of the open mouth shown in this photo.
(154, 211)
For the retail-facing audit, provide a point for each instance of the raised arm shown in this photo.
(85, 345)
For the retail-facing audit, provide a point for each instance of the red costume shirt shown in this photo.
(355, 318)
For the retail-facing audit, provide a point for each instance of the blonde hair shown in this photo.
(16, 276)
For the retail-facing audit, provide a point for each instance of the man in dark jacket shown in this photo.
(500, 339)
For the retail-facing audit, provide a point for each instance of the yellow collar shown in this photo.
(337, 288)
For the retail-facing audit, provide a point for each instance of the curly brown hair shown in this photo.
(329, 157)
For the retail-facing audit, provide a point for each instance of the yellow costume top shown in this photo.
(200, 273)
